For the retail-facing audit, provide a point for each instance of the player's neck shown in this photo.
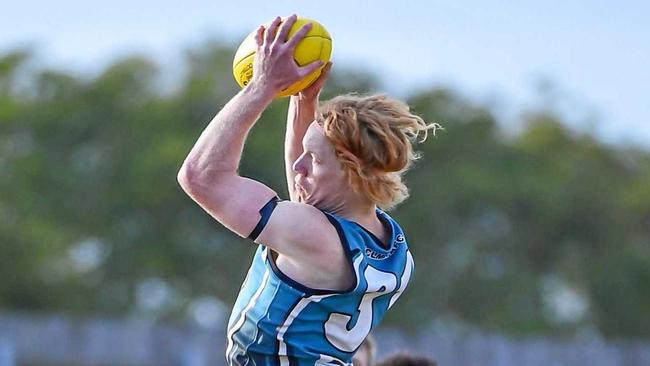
(359, 210)
(366, 216)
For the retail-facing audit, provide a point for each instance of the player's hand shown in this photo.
(274, 67)
(312, 92)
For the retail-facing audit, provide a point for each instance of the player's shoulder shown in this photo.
(296, 228)
(304, 215)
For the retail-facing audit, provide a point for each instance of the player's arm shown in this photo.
(301, 113)
(209, 174)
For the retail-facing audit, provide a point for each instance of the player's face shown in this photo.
(319, 178)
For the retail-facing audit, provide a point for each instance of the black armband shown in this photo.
(266, 212)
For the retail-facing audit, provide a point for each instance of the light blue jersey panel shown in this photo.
(277, 321)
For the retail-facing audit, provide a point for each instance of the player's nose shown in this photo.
(299, 167)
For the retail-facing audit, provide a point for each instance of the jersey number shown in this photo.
(379, 283)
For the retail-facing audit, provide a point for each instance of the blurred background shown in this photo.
(529, 218)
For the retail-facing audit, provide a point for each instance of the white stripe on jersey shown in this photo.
(282, 347)
(257, 329)
(406, 277)
(326, 360)
(242, 316)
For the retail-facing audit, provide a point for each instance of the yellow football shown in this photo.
(317, 45)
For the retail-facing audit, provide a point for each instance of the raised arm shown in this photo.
(301, 113)
(209, 174)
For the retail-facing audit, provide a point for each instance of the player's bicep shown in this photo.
(235, 202)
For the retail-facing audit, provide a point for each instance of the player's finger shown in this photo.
(285, 28)
(259, 36)
(318, 84)
(270, 31)
(326, 69)
(300, 34)
(308, 69)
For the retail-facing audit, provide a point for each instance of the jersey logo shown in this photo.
(399, 239)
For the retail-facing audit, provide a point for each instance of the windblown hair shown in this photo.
(373, 138)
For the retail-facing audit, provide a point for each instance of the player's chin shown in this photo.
(308, 200)
(303, 198)
(313, 201)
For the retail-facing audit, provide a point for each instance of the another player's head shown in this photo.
(407, 359)
(365, 355)
(367, 144)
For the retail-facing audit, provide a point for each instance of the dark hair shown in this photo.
(407, 359)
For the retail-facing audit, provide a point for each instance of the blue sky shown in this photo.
(597, 53)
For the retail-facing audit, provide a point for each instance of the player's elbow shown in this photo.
(190, 179)
(184, 178)
(202, 185)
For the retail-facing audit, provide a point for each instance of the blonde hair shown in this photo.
(373, 138)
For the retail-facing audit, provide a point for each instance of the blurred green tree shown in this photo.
(546, 231)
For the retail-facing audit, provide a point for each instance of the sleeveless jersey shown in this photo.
(278, 321)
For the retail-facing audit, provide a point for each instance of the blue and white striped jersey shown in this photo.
(277, 321)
